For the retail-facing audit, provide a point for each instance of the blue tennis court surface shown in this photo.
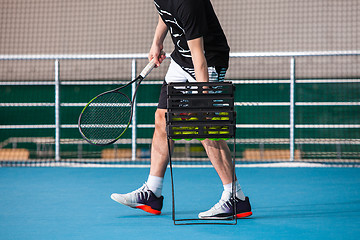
(74, 203)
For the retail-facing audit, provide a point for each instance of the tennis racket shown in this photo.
(108, 115)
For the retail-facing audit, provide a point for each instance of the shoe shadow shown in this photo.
(165, 214)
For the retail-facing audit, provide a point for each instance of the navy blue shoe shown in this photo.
(142, 198)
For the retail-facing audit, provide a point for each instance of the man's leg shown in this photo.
(148, 197)
(159, 152)
(159, 147)
(220, 157)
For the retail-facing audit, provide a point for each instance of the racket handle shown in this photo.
(149, 67)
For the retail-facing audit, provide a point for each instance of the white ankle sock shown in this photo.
(239, 192)
(155, 184)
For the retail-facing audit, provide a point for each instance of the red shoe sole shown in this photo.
(243, 215)
(149, 209)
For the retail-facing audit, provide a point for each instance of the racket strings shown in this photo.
(106, 118)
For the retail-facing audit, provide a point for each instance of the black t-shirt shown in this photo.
(190, 19)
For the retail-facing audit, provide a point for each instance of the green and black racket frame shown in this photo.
(201, 110)
(106, 117)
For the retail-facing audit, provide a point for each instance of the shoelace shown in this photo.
(142, 192)
(222, 203)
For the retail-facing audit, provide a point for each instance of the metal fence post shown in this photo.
(133, 121)
(57, 110)
(292, 108)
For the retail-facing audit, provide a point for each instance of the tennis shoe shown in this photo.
(142, 198)
(224, 209)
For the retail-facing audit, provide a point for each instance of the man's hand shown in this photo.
(157, 54)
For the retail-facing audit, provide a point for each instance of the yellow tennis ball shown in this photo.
(193, 119)
(213, 132)
(190, 128)
(189, 132)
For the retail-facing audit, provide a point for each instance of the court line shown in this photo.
(245, 165)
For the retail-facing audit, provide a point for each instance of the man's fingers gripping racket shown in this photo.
(152, 64)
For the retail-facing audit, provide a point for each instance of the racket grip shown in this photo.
(149, 66)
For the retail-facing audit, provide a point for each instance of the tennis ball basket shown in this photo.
(201, 110)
